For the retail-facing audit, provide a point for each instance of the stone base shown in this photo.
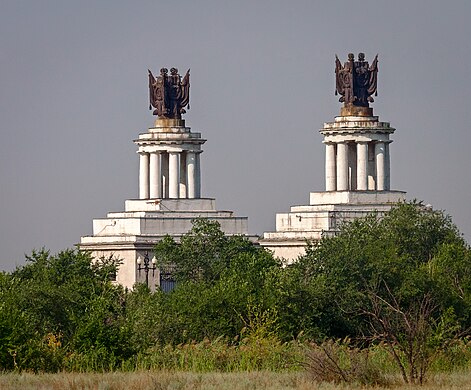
(200, 204)
(356, 197)
(167, 122)
(351, 110)
(323, 216)
(130, 234)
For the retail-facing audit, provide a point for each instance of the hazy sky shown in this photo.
(73, 96)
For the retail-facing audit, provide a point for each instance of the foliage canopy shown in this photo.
(402, 279)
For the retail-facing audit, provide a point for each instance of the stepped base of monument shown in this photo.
(322, 217)
(131, 233)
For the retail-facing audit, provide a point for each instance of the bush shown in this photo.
(335, 361)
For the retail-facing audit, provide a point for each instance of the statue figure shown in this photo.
(356, 81)
(157, 93)
(344, 80)
(169, 94)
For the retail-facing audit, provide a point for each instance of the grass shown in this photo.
(251, 363)
(221, 355)
(168, 380)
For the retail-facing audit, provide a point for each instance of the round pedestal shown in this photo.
(356, 111)
(164, 122)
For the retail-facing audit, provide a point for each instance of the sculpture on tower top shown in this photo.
(169, 94)
(356, 81)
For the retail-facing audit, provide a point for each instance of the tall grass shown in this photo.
(337, 361)
(249, 354)
(217, 355)
(256, 354)
(208, 381)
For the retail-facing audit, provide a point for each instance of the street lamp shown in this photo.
(146, 266)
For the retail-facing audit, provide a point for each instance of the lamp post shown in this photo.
(146, 266)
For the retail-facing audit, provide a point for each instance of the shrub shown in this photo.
(335, 361)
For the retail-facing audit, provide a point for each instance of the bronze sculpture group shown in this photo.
(356, 82)
(169, 94)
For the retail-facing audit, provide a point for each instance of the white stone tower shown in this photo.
(357, 168)
(357, 153)
(169, 200)
(169, 161)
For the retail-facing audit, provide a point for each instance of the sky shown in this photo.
(74, 95)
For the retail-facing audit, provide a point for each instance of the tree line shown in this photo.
(402, 280)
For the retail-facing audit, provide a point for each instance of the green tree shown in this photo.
(399, 279)
(223, 282)
(203, 254)
(47, 305)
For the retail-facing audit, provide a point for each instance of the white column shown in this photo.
(173, 174)
(191, 174)
(164, 175)
(143, 175)
(198, 175)
(330, 176)
(371, 167)
(380, 171)
(183, 182)
(387, 167)
(362, 166)
(155, 176)
(342, 166)
(352, 166)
